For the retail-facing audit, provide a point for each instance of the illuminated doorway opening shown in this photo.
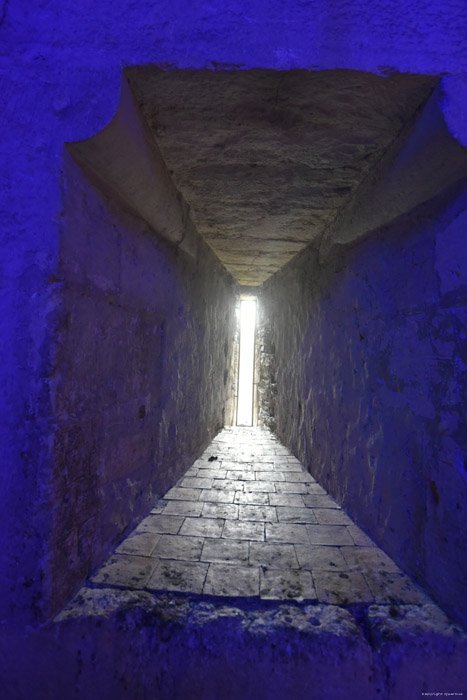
(246, 362)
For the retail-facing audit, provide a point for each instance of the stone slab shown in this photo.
(202, 527)
(232, 581)
(252, 498)
(224, 551)
(260, 513)
(162, 524)
(125, 571)
(286, 585)
(178, 547)
(244, 530)
(285, 532)
(329, 534)
(342, 588)
(181, 576)
(140, 543)
(273, 556)
(191, 508)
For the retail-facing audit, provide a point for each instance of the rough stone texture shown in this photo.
(266, 387)
(371, 377)
(134, 644)
(61, 63)
(266, 159)
(422, 162)
(61, 69)
(125, 157)
(405, 637)
(254, 549)
(140, 375)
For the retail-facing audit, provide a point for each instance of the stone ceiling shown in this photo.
(267, 159)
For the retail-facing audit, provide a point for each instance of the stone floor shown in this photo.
(247, 520)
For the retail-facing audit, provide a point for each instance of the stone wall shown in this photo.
(61, 69)
(266, 387)
(371, 354)
(140, 375)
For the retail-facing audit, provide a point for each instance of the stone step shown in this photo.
(134, 644)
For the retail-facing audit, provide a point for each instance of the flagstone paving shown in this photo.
(247, 520)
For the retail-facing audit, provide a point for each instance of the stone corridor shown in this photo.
(247, 520)
(247, 581)
(163, 163)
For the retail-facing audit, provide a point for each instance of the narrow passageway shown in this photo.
(247, 520)
(248, 582)
(179, 165)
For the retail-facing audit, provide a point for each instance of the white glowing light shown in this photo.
(246, 362)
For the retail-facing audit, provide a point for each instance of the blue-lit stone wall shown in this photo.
(61, 65)
(139, 381)
(371, 375)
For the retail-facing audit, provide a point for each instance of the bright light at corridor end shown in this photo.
(246, 362)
